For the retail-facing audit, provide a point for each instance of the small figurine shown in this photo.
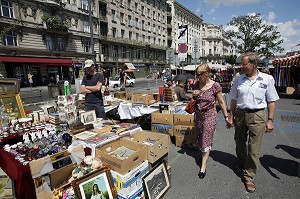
(96, 163)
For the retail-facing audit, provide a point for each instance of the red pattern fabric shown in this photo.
(205, 122)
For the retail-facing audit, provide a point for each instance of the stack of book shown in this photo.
(77, 127)
(169, 95)
(54, 118)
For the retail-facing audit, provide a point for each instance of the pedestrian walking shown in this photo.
(251, 93)
(206, 92)
(91, 87)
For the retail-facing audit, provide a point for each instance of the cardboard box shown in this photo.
(142, 98)
(161, 118)
(120, 94)
(158, 148)
(59, 176)
(182, 130)
(136, 194)
(128, 183)
(162, 128)
(184, 119)
(162, 159)
(183, 142)
(119, 165)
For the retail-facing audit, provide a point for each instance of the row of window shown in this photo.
(159, 4)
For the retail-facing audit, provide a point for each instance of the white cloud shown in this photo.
(217, 3)
(271, 16)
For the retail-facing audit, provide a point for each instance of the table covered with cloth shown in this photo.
(21, 175)
(128, 111)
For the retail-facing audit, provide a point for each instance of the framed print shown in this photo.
(65, 192)
(88, 117)
(85, 135)
(51, 110)
(13, 105)
(9, 86)
(97, 184)
(157, 182)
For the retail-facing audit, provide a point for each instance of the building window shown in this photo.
(154, 15)
(148, 12)
(143, 8)
(144, 38)
(136, 7)
(158, 16)
(130, 35)
(154, 40)
(11, 38)
(85, 4)
(143, 25)
(49, 43)
(154, 28)
(6, 9)
(137, 22)
(149, 26)
(114, 32)
(121, 2)
(61, 44)
(137, 36)
(113, 15)
(86, 26)
(129, 20)
(128, 4)
(122, 17)
(149, 39)
(122, 33)
(87, 46)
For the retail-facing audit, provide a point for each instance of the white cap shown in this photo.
(88, 63)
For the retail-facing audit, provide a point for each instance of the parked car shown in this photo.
(116, 82)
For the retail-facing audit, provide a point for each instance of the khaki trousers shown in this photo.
(249, 131)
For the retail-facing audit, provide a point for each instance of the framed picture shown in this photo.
(9, 86)
(85, 135)
(51, 109)
(13, 105)
(66, 192)
(97, 184)
(157, 182)
(88, 117)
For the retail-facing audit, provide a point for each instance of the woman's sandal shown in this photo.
(249, 185)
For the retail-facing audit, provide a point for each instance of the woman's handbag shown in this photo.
(191, 106)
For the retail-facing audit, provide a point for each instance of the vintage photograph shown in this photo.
(61, 99)
(88, 117)
(71, 117)
(51, 110)
(9, 86)
(157, 182)
(96, 186)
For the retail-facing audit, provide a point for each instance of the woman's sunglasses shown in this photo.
(199, 74)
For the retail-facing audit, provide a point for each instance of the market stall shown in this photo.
(287, 71)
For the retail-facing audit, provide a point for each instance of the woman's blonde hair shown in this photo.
(202, 68)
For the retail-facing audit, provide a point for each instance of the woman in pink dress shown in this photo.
(206, 92)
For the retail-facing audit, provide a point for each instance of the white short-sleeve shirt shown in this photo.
(254, 94)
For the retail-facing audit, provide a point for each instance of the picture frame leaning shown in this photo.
(88, 117)
(156, 182)
(13, 105)
(98, 182)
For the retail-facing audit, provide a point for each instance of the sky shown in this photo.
(284, 14)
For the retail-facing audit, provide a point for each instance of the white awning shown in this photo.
(130, 66)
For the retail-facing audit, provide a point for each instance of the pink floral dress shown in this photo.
(205, 118)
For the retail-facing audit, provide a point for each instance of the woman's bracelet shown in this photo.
(225, 117)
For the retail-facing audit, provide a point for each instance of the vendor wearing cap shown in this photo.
(91, 87)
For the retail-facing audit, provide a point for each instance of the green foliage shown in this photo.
(11, 27)
(231, 59)
(255, 35)
(52, 22)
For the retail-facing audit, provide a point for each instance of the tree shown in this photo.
(231, 59)
(254, 35)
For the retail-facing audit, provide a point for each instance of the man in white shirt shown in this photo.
(251, 94)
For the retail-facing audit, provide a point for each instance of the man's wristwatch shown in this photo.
(271, 119)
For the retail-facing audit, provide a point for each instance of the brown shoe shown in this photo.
(249, 185)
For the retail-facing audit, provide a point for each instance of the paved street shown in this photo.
(277, 173)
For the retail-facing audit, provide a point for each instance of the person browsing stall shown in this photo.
(179, 90)
(91, 87)
(206, 93)
(251, 93)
